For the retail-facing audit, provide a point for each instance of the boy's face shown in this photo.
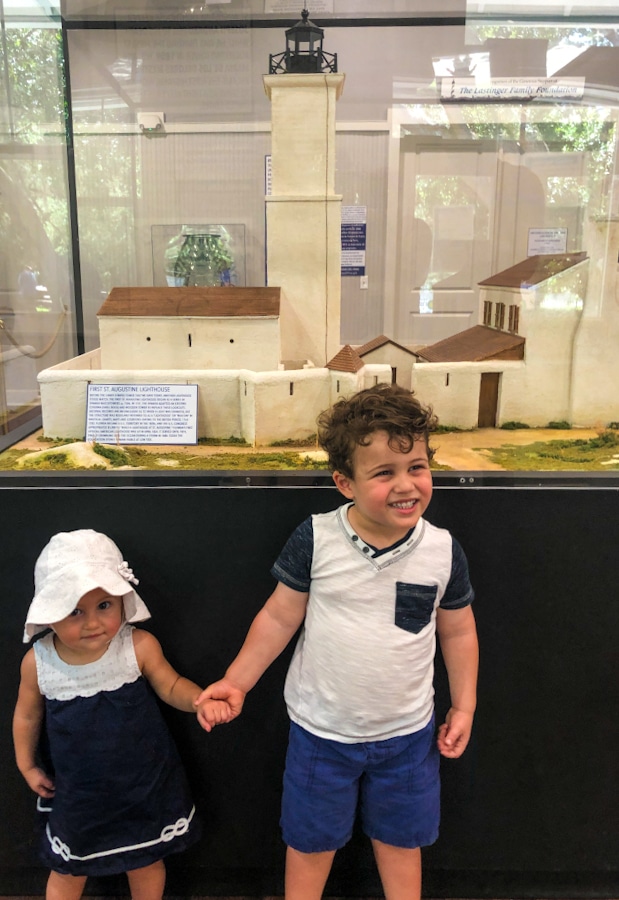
(391, 490)
(83, 636)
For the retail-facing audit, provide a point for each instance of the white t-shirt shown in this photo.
(363, 666)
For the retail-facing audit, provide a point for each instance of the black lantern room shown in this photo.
(303, 51)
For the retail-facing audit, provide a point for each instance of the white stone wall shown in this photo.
(287, 403)
(452, 390)
(551, 317)
(389, 355)
(539, 392)
(256, 406)
(182, 342)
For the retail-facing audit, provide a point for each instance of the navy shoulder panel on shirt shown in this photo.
(459, 591)
(293, 566)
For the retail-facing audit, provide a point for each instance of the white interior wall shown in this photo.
(209, 166)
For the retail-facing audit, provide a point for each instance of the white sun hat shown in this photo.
(72, 564)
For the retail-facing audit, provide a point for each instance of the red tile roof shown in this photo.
(474, 345)
(380, 341)
(534, 269)
(347, 360)
(219, 302)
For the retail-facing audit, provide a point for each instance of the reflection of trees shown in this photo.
(106, 205)
(582, 36)
(32, 66)
(34, 85)
(106, 172)
(587, 130)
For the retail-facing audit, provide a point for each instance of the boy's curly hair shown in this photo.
(351, 422)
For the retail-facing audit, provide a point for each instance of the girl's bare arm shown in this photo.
(169, 686)
(27, 720)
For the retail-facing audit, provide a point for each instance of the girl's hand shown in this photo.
(39, 782)
(213, 712)
(232, 694)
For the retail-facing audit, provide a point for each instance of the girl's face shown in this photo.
(83, 636)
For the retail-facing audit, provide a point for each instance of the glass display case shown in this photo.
(464, 148)
(173, 221)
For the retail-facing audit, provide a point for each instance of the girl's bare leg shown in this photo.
(307, 873)
(400, 871)
(147, 883)
(64, 887)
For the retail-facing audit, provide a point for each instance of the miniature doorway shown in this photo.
(488, 399)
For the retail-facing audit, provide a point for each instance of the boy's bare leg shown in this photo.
(147, 883)
(64, 887)
(307, 873)
(400, 871)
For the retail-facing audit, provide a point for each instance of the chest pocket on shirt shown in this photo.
(413, 605)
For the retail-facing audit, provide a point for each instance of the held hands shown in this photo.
(219, 703)
(39, 782)
(454, 734)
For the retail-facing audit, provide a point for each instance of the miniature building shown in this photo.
(224, 340)
(190, 328)
(383, 350)
(517, 365)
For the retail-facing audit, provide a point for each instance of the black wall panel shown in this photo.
(530, 810)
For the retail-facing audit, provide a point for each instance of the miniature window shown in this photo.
(499, 315)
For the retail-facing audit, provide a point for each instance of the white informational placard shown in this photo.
(547, 240)
(142, 413)
(354, 237)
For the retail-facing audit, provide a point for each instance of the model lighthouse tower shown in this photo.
(303, 212)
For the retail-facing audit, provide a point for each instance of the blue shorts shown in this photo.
(394, 783)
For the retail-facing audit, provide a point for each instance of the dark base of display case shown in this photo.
(529, 811)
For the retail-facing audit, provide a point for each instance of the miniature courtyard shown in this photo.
(483, 449)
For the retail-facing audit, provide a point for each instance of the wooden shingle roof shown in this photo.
(347, 360)
(217, 302)
(534, 269)
(475, 345)
(380, 341)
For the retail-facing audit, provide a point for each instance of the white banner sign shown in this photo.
(142, 413)
(512, 88)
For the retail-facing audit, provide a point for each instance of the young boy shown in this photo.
(372, 582)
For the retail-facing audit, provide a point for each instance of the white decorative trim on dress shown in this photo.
(168, 833)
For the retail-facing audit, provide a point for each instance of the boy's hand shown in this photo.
(454, 734)
(213, 712)
(222, 690)
(39, 782)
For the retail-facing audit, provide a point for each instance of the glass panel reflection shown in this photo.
(35, 283)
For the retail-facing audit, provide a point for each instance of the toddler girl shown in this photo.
(114, 792)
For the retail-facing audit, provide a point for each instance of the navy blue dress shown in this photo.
(122, 800)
